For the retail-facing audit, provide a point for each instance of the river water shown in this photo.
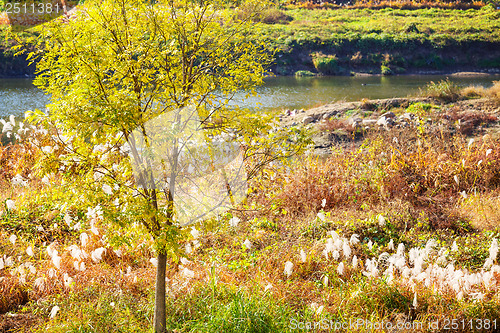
(19, 95)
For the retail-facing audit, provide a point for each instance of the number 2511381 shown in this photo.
(39, 8)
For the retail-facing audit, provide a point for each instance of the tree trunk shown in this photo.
(160, 320)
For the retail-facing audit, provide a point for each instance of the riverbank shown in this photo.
(365, 41)
(446, 111)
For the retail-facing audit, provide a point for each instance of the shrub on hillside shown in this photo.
(326, 64)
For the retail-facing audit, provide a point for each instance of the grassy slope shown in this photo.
(453, 37)
(435, 39)
(226, 287)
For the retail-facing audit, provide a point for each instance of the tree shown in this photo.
(116, 66)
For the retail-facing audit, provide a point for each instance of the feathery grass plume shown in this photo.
(56, 260)
(354, 239)
(381, 221)
(303, 256)
(11, 205)
(54, 311)
(188, 248)
(233, 222)
(494, 249)
(248, 244)
(153, 261)
(390, 246)
(194, 232)
(97, 254)
(340, 269)
(346, 249)
(288, 268)
(354, 262)
(13, 239)
(84, 238)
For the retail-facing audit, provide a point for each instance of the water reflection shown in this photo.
(19, 95)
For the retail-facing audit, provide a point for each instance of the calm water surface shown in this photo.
(19, 95)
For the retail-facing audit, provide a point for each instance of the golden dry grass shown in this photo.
(483, 210)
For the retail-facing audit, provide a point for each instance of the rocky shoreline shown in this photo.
(345, 124)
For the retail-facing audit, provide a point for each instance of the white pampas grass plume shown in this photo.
(330, 245)
(340, 268)
(233, 222)
(93, 228)
(354, 239)
(11, 205)
(323, 203)
(75, 252)
(54, 311)
(56, 260)
(40, 283)
(454, 247)
(107, 189)
(488, 152)
(68, 220)
(247, 244)
(325, 253)
(455, 178)
(13, 239)
(494, 249)
(303, 256)
(325, 281)
(154, 261)
(195, 233)
(68, 281)
(97, 254)
(488, 263)
(401, 250)
(189, 248)
(29, 251)
(471, 141)
(288, 268)
(52, 273)
(346, 249)
(415, 303)
(370, 245)
(390, 246)
(381, 221)
(354, 262)
(51, 251)
(321, 216)
(84, 239)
